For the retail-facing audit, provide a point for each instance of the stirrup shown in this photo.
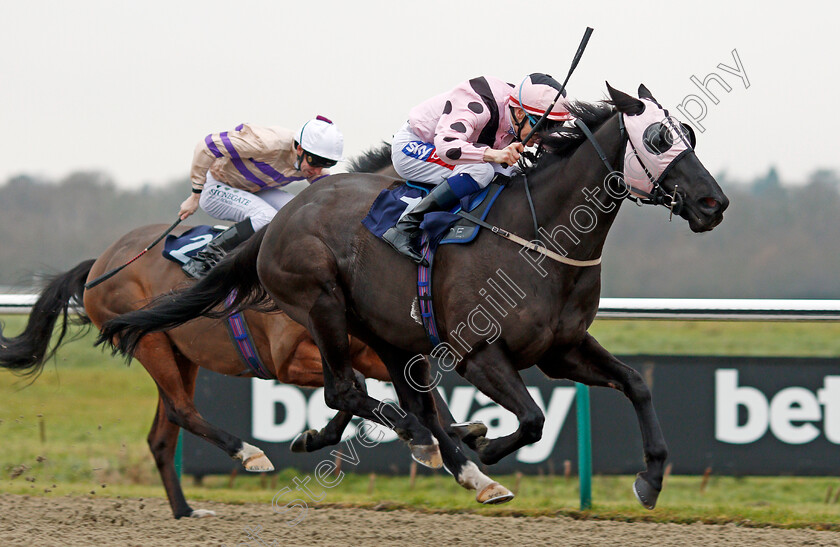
(402, 243)
(203, 262)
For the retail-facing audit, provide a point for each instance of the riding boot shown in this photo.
(405, 236)
(221, 245)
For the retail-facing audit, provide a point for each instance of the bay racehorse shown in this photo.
(172, 359)
(317, 263)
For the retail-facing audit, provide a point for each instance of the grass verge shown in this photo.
(80, 429)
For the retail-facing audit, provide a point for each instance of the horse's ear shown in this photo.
(644, 93)
(624, 102)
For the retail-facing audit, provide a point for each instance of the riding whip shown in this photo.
(575, 62)
(112, 273)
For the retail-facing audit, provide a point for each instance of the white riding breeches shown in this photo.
(225, 203)
(418, 161)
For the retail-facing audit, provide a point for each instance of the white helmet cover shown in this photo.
(321, 137)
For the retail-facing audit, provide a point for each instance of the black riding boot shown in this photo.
(405, 236)
(221, 245)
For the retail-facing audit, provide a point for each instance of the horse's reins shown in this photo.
(531, 246)
(513, 237)
(657, 197)
(104, 277)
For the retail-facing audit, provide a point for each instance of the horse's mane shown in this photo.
(371, 160)
(562, 142)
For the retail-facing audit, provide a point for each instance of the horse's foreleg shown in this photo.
(590, 364)
(492, 373)
(469, 433)
(311, 440)
(422, 403)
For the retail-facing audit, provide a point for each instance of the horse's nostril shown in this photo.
(709, 203)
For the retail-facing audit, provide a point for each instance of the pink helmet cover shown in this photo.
(534, 95)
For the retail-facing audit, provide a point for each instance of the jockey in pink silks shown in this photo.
(461, 139)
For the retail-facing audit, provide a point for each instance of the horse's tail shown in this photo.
(27, 353)
(236, 272)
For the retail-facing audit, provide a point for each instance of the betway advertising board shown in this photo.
(737, 415)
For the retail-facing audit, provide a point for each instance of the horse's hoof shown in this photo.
(645, 493)
(494, 494)
(201, 513)
(300, 442)
(470, 430)
(258, 463)
(427, 455)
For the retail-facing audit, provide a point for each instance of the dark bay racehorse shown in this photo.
(173, 358)
(322, 267)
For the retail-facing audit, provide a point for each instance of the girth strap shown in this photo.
(240, 335)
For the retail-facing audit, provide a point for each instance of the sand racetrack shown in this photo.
(74, 521)
(104, 522)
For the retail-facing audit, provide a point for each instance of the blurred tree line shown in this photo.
(48, 226)
(776, 241)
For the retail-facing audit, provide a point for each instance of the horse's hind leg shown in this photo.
(592, 365)
(163, 439)
(328, 326)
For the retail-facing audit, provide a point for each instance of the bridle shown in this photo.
(657, 195)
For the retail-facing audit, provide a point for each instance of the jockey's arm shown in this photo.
(456, 132)
(229, 144)
(189, 206)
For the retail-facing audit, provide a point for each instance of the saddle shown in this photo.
(441, 227)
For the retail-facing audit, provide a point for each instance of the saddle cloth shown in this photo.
(181, 248)
(441, 227)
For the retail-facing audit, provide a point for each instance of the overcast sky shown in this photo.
(129, 88)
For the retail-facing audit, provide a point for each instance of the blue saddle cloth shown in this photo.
(181, 248)
(441, 227)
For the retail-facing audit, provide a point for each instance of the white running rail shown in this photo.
(638, 308)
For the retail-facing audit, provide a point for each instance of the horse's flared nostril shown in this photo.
(709, 205)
